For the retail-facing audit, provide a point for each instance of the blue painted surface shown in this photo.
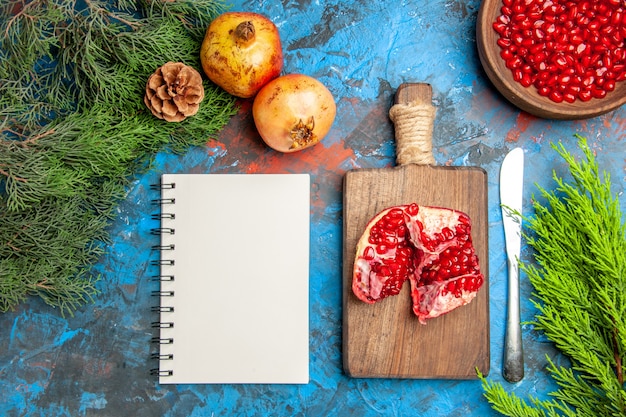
(97, 362)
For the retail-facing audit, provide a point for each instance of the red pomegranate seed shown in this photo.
(568, 50)
(598, 92)
(526, 80)
(543, 91)
(556, 96)
(585, 95)
(569, 97)
(503, 43)
(574, 89)
(609, 85)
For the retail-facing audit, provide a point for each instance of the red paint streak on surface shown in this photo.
(486, 98)
(524, 120)
(98, 367)
(309, 160)
(245, 152)
(617, 126)
(129, 289)
(213, 144)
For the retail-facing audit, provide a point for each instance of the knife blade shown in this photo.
(511, 188)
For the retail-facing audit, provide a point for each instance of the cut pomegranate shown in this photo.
(429, 246)
(384, 257)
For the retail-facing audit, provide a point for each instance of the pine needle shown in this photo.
(579, 278)
(74, 129)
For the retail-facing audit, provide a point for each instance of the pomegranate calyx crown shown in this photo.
(245, 32)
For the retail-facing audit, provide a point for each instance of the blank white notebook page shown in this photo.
(241, 278)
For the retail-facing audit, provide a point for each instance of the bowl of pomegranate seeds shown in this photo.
(556, 59)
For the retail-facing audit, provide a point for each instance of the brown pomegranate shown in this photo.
(241, 52)
(429, 246)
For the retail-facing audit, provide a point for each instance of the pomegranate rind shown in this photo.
(443, 268)
(430, 301)
(239, 67)
(293, 112)
(368, 285)
(444, 239)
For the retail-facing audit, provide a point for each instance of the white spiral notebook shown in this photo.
(234, 279)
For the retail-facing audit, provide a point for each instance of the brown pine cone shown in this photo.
(174, 92)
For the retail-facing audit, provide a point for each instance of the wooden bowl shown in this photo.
(528, 99)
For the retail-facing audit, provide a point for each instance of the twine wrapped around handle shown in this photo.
(414, 121)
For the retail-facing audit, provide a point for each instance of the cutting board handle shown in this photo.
(413, 116)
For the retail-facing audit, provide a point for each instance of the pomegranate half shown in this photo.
(429, 246)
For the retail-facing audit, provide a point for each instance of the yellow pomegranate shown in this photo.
(241, 52)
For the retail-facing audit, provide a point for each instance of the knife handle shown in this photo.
(513, 369)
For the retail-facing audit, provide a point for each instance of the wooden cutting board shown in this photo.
(385, 339)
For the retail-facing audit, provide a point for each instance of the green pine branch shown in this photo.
(579, 280)
(74, 130)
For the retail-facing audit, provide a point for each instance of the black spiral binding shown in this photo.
(159, 308)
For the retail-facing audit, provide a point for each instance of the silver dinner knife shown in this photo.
(511, 186)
